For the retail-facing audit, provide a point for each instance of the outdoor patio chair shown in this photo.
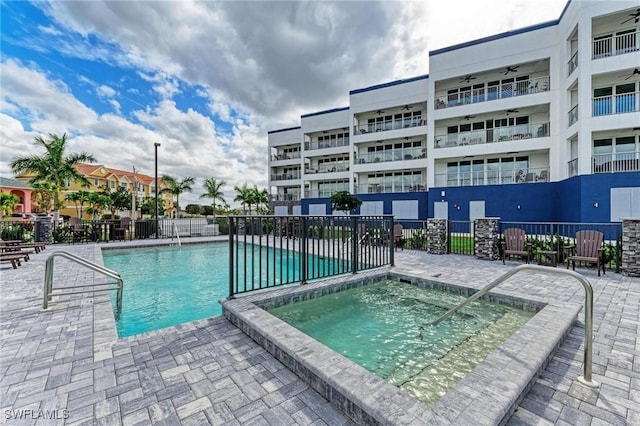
(78, 230)
(398, 237)
(589, 248)
(120, 230)
(515, 244)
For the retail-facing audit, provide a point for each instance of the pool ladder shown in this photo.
(586, 378)
(48, 280)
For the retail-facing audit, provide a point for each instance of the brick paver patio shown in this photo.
(66, 362)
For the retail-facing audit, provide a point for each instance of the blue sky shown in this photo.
(208, 79)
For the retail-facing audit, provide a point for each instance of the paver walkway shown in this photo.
(60, 362)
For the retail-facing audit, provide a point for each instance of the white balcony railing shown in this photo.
(493, 177)
(573, 115)
(573, 167)
(332, 143)
(614, 45)
(286, 176)
(616, 104)
(498, 134)
(334, 167)
(390, 185)
(490, 93)
(618, 162)
(285, 197)
(391, 155)
(393, 124)
(285, 156)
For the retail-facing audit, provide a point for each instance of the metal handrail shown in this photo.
(48, 280)
(588, 312)
(175, 229)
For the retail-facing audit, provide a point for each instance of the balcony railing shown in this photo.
(573, 167)
(329, 168)
(573, 63)
(286, 176)
(391, 155)
(619, 162)
(498, 134)
(287, 156)
(383, 126)
(573, 115)
(333, 143)
(493, 177)
(388, 186)
(615, 45)
(616, 104)
(285, 197)
(490, 93)
(323, 193)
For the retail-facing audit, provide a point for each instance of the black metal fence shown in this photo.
(459, 235)
(271, 251)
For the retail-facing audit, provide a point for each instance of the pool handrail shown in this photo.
(48, 280)
(586, 378)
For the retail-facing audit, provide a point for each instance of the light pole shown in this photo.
(157, 183)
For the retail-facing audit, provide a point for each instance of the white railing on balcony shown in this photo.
(493, 177)
(286, 197)
(286, 176)
(573, 115)
(342, 166)
(323, 193)
(618, 162)
(390, 185)
(285, 156)
(383, 126)
(615, 45)
(573, 167)
(573, 63)
(332, 143)
(498, 134)
(391, 155)
(616, 104)
(490, 93)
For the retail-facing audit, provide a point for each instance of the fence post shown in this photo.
(303, 250)
(618, 248)
(354, 244)
(231, 259)
(392, 242)
(449, 236)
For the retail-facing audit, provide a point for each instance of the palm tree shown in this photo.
(7, 203)
(212, 186)
(53, 167)
(79, 197)
(245, 196)
(260, 198)
(175, 187)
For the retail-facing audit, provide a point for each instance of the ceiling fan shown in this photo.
(467, 78)
(634, 15)
(636, 71)
(379, 112)
(467, 117)
(513, 68)
(407, 107)
(510, 111)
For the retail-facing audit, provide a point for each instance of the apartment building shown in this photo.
(536, 124)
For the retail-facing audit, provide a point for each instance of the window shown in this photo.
(625, 97)
(602, 101)
(96, 182)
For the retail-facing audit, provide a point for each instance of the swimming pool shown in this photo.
(379, 325)
(166, 286)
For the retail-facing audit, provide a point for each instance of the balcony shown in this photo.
(388, 186)
(616, 104)
(331, 143)
(285, 156)
(285, 197)
(613, 163)
(573, 115)
(615, 44)
(391, 155)
(498, 134)
(490, 93)
(333, 167)
(573, 63)
(384, 126)
(572, 167)
(286, 176)
(493, 177)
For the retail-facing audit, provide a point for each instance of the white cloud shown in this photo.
(105, 91)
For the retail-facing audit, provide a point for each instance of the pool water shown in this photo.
(378, 326)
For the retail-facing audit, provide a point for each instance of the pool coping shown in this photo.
(487, 395)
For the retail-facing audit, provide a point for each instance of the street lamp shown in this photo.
(157, 224)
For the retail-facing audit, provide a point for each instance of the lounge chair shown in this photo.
(515, 244)
(398, 237)
(589, 248)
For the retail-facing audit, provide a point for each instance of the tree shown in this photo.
(261, 200)
(245, 197)
(79, 197)
(98, 202)
(344, 201)
(193, 209)
(212, 186)
(175, 187)
(7, 203)
(53, 167)
(120, 199)
(148, 206)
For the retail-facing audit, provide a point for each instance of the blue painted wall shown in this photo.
(571, 200)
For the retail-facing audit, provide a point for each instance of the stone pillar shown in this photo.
(631, 247)
(437, 236)
(486, 238)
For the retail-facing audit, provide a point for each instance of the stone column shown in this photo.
(631, 247)
(437, 236)
(486, 238)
